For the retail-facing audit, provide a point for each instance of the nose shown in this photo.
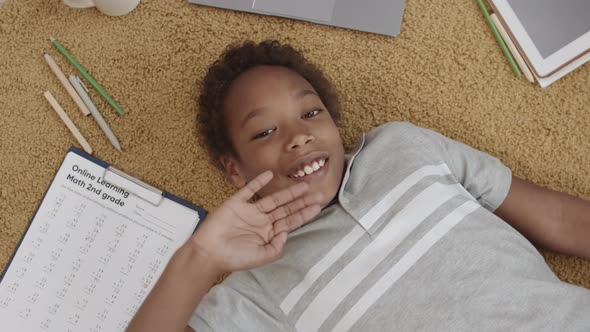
(298, 137)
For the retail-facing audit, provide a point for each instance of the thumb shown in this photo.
(274, 249)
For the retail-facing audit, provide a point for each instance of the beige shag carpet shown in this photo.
(445, 71)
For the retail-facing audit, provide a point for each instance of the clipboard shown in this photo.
(144, 190)
(95, 246)
(136, 185)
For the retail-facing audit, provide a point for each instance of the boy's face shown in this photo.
(276, 121)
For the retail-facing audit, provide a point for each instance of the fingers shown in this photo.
(295, 220)
(254, 185)
(296, 205)
(274, 249)
(271, 202)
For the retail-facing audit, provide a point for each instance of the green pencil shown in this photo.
(498, 38)
(86, 75)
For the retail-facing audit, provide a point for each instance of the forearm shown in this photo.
(184, 282)
(576, 225)
(549, 219)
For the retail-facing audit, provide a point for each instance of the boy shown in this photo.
(398, 234)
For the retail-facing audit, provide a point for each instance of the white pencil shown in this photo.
(517, 57)
(64, 81)
(82, 91)
(64, 117)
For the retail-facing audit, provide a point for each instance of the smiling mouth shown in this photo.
(310, 168)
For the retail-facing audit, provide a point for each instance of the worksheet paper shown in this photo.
(87, 261)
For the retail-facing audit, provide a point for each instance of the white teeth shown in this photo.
(315, 166)
(310, 168)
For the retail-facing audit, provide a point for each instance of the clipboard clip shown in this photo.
(134, 185)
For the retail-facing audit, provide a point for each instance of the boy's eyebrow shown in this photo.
(253, 113)
(256, 112)
(305, 92)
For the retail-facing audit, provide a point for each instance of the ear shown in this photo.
(232, 170)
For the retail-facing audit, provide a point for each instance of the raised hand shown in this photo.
(241, 235)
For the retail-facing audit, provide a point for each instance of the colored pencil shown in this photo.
(68, 122)
(84, 73)
(498, 37)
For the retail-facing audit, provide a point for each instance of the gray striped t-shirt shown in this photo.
(412, 244)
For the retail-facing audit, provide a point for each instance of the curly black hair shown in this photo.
(237, 59)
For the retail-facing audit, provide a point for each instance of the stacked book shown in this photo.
(547, 39)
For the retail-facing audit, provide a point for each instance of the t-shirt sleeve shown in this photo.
(230, 308)
(485, 177)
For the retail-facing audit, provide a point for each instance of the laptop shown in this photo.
(375, 16)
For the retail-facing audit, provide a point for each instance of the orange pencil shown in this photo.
(68, 122)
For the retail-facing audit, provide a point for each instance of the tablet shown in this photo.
(550, 34)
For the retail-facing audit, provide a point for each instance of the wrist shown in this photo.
(200, 258)
(185, 281)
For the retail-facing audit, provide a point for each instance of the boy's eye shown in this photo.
(264, 133)
(311, 114)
